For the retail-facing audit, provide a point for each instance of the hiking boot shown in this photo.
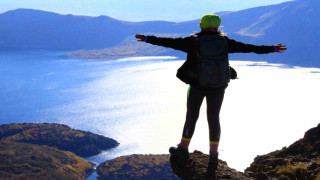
(212, 165)
(179, 151)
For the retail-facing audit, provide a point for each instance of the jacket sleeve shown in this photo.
(182, 44)
(239, 47)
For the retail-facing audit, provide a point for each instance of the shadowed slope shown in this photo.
(301, 160)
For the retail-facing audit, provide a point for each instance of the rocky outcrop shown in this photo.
(29, 161)
(57, 135)
(134, 167)
(301, 160)
(195, 168)
(162, 167)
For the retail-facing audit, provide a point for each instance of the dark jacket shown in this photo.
(187, 45)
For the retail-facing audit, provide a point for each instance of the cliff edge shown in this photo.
(301, 160)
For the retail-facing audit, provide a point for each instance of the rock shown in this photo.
(195, 168)
(134, 167)
(158, 167)
(299, 161)
(308, 146)
(262, 176)
(282, 177)
(29, 161)
(57, 135)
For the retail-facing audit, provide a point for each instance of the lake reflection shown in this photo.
(140, 103)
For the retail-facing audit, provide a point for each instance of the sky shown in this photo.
(137, 10)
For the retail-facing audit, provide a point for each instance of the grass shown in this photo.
(291, 170)
(29, 161)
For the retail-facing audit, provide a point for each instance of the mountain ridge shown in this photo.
(292, 23)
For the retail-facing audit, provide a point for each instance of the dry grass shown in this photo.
(291, 170)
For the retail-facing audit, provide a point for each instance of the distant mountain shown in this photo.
(26, 28)
(294, 23)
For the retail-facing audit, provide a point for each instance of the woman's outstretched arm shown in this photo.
(239, 47)
(182, 44)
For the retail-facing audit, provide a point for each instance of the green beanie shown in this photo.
(210, 21)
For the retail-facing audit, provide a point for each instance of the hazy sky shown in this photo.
(137, 10)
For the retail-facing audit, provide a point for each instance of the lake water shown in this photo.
(140, 103)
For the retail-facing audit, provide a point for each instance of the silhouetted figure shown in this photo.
(208, 72)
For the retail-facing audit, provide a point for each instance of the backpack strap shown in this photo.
(225, 39)
(196, 44)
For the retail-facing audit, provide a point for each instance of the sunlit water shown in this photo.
(140, 103)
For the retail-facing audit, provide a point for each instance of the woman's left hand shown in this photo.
(140, 37)
(281, 48)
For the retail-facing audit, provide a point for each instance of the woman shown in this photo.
(206, 79)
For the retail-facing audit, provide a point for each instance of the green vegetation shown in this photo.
(28, 161)
(291, 170)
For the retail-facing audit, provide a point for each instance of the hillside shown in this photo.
(42, 151)
(57, 135)
(28, 161)
(292, 23)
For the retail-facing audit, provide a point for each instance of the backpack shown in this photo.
(212, 58)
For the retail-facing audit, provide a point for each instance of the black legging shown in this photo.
(214, 102)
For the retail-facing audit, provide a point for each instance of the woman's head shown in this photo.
(210, 21)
